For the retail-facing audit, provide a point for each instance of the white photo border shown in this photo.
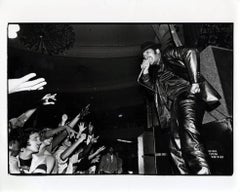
(116, 11)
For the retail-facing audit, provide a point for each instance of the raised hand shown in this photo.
(81, 127)
(49, 99)
(96, 159)
(25, 84)
(100, 149)
(83, 137)
(70, 130)
(145, 66)
(94, 139)
(64, 118)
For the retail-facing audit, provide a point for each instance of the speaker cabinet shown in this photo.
(216, 65)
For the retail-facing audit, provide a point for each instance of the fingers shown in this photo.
(46, 96)
(102, 148)
(27, 77)
(41, 88)
(145, 63)
(49, 103)
(70, 130)
(50, 96)
(81, 124)
(30, 86)
(195, 90)
(34, 84)
(53, 97)
(73, 131)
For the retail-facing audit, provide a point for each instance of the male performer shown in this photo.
(174, 79)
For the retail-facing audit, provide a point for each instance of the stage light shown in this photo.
(120, 115)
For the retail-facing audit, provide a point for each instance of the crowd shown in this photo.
(71, 148)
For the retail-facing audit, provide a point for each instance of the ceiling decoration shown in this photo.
(51, 39)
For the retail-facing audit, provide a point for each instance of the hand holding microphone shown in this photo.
(145, 66)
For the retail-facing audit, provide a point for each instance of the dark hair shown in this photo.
(24, 136)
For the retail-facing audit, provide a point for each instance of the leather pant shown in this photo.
(186, 149)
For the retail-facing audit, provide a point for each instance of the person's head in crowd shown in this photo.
(110, 150)
(30, 140)
(90, 128)
(14, 148)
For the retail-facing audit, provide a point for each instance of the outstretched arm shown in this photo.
(69, 150)
(99, 150)
(48, 99)
(25, 84)
(69, 128)
(74, 121)
(63, 120)
(88, 147)
(53, 132)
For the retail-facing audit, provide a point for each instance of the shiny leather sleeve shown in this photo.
(185, 58)
(144, 80)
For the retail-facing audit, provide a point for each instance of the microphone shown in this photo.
(140, 74)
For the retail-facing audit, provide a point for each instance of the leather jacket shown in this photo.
(184, 62)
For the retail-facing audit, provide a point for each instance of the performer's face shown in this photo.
(152, 56)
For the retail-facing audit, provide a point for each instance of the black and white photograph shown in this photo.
(120, 98)
(130, 95)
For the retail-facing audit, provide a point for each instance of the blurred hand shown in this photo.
(145, 66)
(83, 137)
(100, 149)
(64, 118)
(70, 130)
(49, 99)
(24, 84)
(195, 88)
(96, 159)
